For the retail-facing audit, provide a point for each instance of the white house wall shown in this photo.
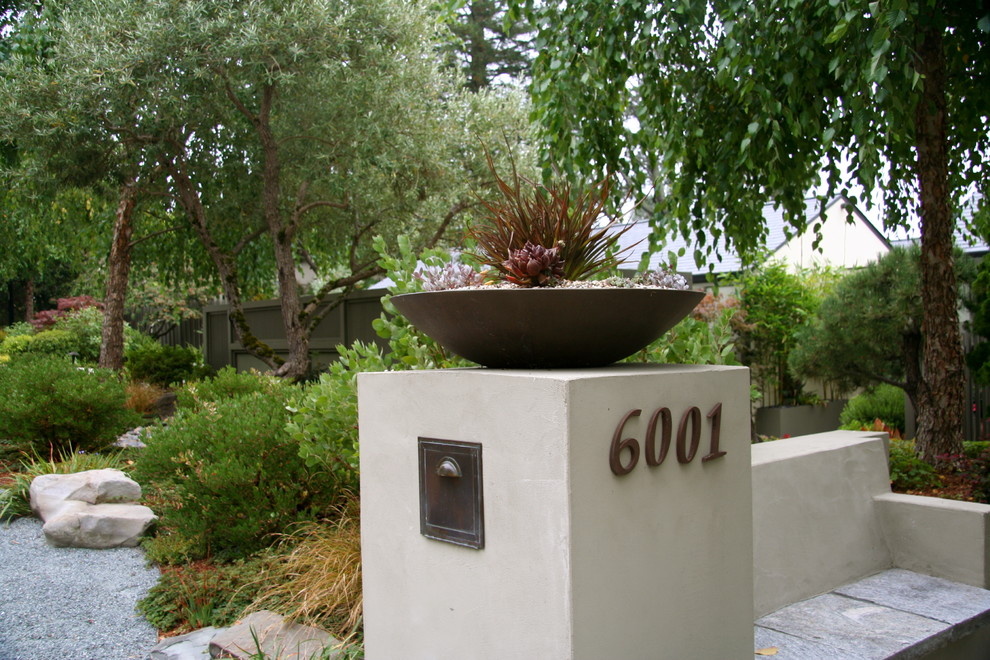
(843, 245)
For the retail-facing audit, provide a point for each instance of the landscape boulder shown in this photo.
(91, 509)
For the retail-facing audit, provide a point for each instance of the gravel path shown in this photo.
(70, 603)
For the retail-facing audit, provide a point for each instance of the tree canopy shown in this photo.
(283, 133)
(734, 103)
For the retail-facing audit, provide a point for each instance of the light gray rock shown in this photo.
(191, 646)
(106, 486)
(277, 638)
(82, 525)
(91, 509)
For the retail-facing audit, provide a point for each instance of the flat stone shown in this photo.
(853, 626)
(276, 637)
(924, 595)
(81, 525)
(191, 646)
(789, 647)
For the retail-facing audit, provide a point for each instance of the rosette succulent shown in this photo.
(453, 275)
(534, 265)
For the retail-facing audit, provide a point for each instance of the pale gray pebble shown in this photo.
(70, 603)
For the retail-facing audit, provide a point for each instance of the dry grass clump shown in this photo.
(142, 397)
(318, 581)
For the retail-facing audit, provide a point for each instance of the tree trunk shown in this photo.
(29, 299)
(940, 415)
(119, 268)
(10, 303)
(297, 362)
(914, 382)
(297, 334)
(224, 262)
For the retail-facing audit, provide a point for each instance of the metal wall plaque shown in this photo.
(451, 502)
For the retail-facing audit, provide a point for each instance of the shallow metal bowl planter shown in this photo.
(546, 328)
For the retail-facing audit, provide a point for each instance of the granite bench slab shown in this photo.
(896, 614)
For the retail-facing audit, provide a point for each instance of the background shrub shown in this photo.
(154, 363)
(53, 342)
(907, 470)
(51, 406)
(16, 344)
(883, 402)
(229, 383)
(85, 327)
(228, 476)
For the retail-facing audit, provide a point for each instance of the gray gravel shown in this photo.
(70, 603)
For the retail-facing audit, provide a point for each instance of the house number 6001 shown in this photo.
(686, 446)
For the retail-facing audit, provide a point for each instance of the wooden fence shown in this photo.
(214, 334)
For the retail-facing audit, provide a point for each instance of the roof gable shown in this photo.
(729, 261)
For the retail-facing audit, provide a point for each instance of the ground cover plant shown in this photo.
(203, 593)
(964, 476)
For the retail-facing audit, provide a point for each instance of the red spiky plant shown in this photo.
(536, 235)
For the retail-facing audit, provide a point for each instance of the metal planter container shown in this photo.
(546, 328)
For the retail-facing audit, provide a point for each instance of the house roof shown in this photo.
(965, 239)
(728, 261)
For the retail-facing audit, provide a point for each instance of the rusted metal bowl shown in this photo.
(546, 328)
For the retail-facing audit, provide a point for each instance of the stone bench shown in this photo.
(893, 614)
(843, 568)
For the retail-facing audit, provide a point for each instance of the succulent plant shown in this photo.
(662, 278)
(453, 275)
(534, 265)
(529, 213)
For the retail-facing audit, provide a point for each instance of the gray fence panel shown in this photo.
(349, 321)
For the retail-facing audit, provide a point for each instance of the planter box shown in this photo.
(791, 421)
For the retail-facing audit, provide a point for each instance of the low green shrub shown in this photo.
(54, 342)
(19, 329)
(324, 420)
(229, 383)
(227, 476)
(16, 344)
(974, 448)
(883, 402)
(196, 596)
(150, 362)
(51, 406)
(907, 471)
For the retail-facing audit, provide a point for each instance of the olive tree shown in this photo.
(286, 133)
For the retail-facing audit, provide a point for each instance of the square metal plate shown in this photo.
(451, 501)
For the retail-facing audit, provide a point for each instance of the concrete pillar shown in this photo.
(578, 561)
